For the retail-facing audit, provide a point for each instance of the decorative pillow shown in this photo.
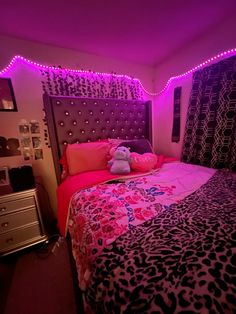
(87, 156)
(143, 162)
(115, 142)
(140, 146)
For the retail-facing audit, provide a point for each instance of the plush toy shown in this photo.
(120, 162)
(143, 162)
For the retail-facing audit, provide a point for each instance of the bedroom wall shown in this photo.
(218, 39)
(26, 82)
(27, 87)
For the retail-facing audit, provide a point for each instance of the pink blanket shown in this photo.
(85, 180)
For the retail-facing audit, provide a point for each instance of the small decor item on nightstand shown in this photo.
(5, 186)
(4, 177)
(22, 178)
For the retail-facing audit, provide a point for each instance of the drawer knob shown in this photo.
(5, 224)
(9, 240)
(2, 209)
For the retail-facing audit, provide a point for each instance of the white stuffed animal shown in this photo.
(120, 163)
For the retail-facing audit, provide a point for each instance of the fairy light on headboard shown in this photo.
(54, 68)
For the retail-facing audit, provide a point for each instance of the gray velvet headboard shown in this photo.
(75, 119)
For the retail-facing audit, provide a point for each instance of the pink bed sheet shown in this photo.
(84, 180)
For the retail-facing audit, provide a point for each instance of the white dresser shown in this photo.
(21, 224)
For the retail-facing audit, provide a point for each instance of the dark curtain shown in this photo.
(210, 132)
(176, 116)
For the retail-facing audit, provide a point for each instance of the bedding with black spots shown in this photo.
(181, 261)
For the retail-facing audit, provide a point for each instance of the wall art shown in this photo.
(9, 147)
(7, 97)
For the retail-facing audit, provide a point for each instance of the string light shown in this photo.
(54, 68)
(213, 59)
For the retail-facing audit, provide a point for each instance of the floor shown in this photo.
(38, 281)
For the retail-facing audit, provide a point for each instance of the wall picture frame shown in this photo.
(4, 176)
(7, 97)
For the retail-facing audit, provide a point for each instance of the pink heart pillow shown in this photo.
(144, 162)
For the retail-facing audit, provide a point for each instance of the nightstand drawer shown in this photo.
(18, 219)
(18, 204)
(21, 223)
(19, 238)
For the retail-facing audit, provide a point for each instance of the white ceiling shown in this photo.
(141, 31)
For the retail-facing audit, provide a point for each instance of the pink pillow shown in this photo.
(87, 156)
(144, 162)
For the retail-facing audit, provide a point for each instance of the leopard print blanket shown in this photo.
(181, 261)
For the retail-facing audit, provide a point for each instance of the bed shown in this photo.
(154, 241)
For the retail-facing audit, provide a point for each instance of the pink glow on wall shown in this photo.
(54, 68)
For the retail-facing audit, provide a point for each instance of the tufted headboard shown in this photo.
(75, 119)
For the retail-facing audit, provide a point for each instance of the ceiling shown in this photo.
(141, 31)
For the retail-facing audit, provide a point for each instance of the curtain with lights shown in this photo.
(94, 85)
(210, 132)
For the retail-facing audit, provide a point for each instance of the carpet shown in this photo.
(42, 283)
(7, 268)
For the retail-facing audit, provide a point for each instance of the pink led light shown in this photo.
(54, 68)
(218, 56)
(38, 65)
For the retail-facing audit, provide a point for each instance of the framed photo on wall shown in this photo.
(7, 97)
(4, 176)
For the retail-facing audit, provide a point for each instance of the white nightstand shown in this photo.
(21, 224)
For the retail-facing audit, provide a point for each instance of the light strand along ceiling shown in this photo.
(215, 58)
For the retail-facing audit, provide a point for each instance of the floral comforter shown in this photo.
(101, 214)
